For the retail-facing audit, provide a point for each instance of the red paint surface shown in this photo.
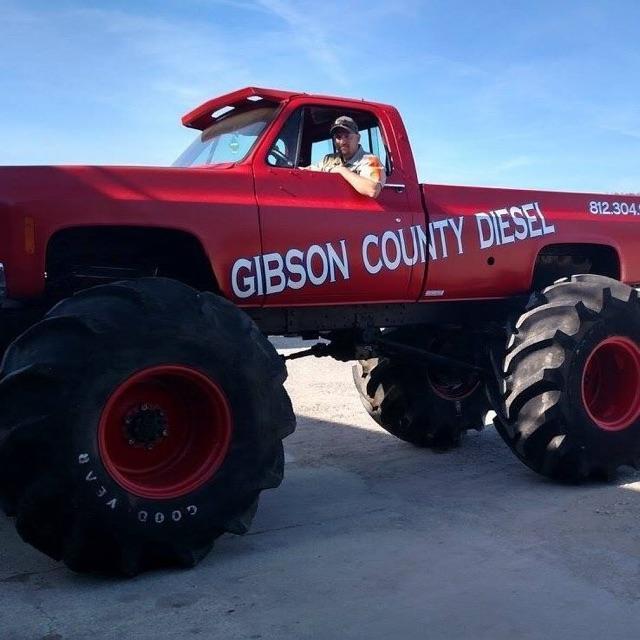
(611, 384)
(199, 428)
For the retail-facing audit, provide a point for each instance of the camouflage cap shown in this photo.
(345, 122)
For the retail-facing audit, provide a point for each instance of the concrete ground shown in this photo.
(370, 538)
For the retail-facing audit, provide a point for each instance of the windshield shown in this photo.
(228, 140)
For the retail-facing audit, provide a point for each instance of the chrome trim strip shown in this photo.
(391, 185)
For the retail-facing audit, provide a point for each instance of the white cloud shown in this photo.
(186, 50)
(513, 163)
(621, 119)
(309, 34)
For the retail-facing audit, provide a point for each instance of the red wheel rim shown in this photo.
(453, 389)
(611, 384)
(452, 384)
(165, 431)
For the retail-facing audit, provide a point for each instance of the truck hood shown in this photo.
(30, 184)
(36, 203)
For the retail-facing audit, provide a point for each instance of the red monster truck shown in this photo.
(142, 406)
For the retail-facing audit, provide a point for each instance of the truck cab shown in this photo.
(309, 220)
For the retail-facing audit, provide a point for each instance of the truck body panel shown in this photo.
(280, 236)
(504, 230)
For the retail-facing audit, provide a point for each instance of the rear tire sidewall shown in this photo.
(428, 418)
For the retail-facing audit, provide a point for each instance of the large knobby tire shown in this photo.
(423, 405)
(13, 322)
(140, 420)
(571, 380)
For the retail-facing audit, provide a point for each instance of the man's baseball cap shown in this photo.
(345, 122)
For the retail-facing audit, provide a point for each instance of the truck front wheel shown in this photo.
(571, 380)
(140, 422)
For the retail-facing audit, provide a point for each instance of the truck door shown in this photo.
(322, 242)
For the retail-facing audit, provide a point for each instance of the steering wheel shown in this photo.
(280, 159)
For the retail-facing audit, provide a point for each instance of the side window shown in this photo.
(286, 148)
(317, 141)
(372, 142)
(306, 137)
(320, 149)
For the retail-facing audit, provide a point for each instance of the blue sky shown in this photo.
(510, 93)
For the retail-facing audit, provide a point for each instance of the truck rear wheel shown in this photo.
(140, 422)
(423, 405)
(571, 380)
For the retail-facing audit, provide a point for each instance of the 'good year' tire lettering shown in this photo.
(143, 516)
(159, 517)
(90, 478)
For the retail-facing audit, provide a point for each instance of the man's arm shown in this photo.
(364, 186)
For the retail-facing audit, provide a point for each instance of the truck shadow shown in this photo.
(344, 480)
(341, 479)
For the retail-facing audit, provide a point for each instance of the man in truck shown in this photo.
(363, 171)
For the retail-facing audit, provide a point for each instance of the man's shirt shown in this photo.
(364, 164)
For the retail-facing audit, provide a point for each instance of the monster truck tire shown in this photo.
(140, 421)
(571, 380)
(415, 404)
(14, 322)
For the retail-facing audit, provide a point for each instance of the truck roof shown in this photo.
(201, 117)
